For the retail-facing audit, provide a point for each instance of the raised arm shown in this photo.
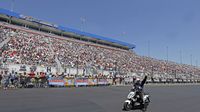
(144, 81)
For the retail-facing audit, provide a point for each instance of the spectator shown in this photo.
(34, 49)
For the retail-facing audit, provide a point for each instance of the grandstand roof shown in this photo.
(65, 29)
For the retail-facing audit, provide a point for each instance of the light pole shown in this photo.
(191, 59)
(148, 48)
(83, 20)
(181, 56)
(12, 5)
(167, 59)
(167, 53)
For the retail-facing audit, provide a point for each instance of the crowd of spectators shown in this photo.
(26, 48)
(72, 53)
(36, 49)
(5, 33)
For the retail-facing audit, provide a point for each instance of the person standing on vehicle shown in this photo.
(140, 85)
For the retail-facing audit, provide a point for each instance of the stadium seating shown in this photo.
(29, 48)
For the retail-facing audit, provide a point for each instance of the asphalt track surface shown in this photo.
(98, 99)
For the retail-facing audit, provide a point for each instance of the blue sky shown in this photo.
(164, 23)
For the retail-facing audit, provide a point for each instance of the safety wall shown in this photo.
(79, 81)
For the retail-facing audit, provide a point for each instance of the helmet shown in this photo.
(137, 80)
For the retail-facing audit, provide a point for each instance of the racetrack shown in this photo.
(98, 99)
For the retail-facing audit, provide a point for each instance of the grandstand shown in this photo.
(36, 24)
(28, 43)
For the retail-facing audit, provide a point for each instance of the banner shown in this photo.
(102, 82)
(78, 81)
(69, 82)
(92, 82)
(81, 82)
(56, 82)
(110, 81)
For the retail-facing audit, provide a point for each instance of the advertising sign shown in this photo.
(69, 82)
(56, 82)
(81, 82)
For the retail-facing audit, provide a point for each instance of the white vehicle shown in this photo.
(133, 101)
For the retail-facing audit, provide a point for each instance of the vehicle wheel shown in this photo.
(144, 108)
(148, 100)
(127, 107)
